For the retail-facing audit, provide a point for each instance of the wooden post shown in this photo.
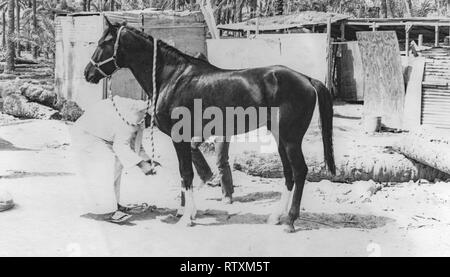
(407, 30)
(206, 8)
(436, 35)
(343, 31)
(257, 25)
(374, 26)
(420, 41)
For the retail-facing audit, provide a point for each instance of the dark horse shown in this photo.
(181, 78)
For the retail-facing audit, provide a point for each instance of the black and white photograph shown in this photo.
(225, 128)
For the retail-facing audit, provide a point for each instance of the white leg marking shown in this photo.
(180, 211)
(190, 209)
(282, 207)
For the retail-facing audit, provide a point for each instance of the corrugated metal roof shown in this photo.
(279, 22)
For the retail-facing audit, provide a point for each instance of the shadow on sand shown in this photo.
(307, 221)
(25, 174)
(8, 146)
(255, 196)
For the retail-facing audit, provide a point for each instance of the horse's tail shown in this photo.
(326, 119)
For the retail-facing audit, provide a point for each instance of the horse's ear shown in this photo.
(124, 23)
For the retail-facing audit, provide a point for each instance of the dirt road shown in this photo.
(360, 219)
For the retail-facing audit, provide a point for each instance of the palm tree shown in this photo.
(10, 46)
(279, 7)
(18, 26)
(34, 16)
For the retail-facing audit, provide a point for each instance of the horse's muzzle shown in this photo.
(91, 75)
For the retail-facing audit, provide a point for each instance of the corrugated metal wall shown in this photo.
(435, 88)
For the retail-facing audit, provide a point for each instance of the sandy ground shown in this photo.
(50, 219)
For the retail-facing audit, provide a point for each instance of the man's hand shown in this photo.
(146, 167)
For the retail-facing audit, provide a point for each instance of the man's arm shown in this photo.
(138, 145)
(122, 148)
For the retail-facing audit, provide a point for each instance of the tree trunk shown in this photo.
(4, 30)
(88, 5)
(428, 147)
(408, 7)
(390, 13)
(448, 7)
(383, 9)
(376, 166)
(10, 49)
(35, 48)
(279, 7)
(113, 3)
(18, 28)
(83, 5)
(19, 106)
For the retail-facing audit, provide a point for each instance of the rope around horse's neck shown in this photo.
(151, 103)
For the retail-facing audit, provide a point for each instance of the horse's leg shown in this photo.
(204, 171)
(294, 120)
(292, 131)
(184, 155)
(286, 196)
(300, 170)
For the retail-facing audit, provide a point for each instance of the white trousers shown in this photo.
(99, 169)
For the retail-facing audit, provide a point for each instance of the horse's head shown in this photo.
(107, 58)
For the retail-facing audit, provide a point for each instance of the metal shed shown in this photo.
(76, 39)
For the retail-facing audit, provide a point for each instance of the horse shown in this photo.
(180, 79)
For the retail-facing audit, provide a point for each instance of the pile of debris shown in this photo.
(36, 100)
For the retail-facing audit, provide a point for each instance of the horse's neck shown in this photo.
(170, 65)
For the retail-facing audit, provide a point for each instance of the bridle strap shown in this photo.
(112, 59)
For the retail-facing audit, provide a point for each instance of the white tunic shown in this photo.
(103, 121)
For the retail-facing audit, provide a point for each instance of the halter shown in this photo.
(112, 59)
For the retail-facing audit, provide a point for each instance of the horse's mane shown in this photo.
(170, 51)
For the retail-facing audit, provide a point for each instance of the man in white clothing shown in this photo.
(106, 140)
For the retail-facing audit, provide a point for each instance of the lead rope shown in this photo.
(151, 103)
(153, 110)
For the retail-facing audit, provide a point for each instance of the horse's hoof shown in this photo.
(227, 200)
(274, 220)
(194, 214)
(185, 223)
(289, 229)
(180, 212)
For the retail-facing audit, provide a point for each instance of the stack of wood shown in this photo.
(36, 101)
(429, 146)
(361, 165)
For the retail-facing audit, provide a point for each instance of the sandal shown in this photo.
(134, 208)
(7, 205)
(119, 217)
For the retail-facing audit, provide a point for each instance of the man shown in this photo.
(224, 177)
(103, 140)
